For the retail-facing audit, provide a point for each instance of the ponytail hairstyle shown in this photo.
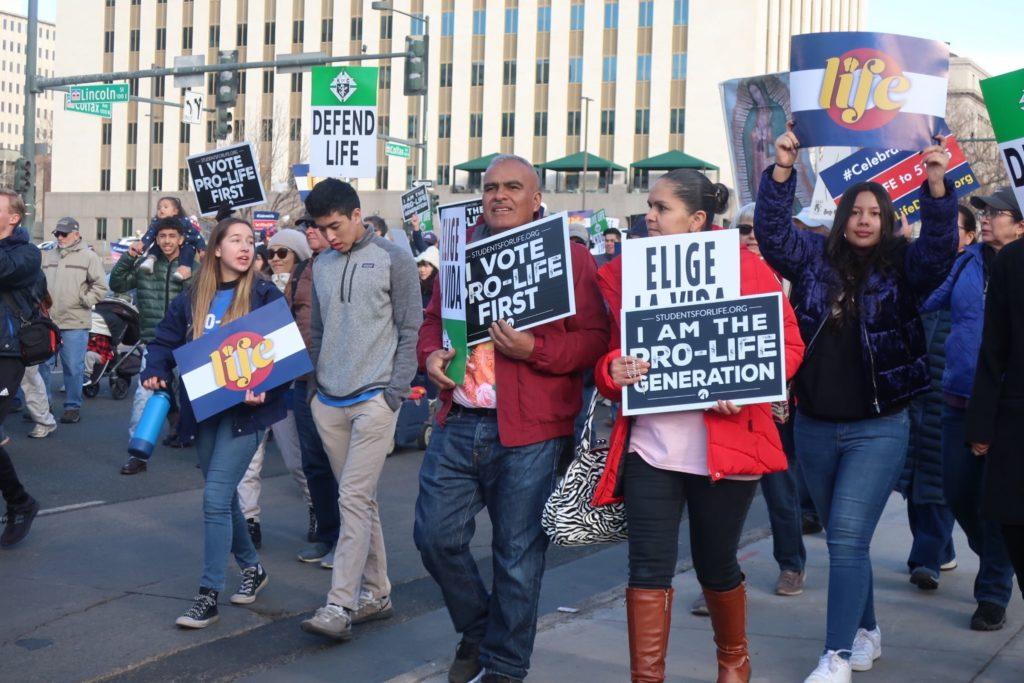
(204, 289)
(853, 266)
(697, 193)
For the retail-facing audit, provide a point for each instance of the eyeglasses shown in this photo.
(989, 212)
(281, 253)
(745, 229)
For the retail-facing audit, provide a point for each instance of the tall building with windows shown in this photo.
(637, 77)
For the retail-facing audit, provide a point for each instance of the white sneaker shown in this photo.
(147, 265)
(948, 566)
(41, 431)
(832, 668)
(372, 609)
(867, 647)
(330, 620)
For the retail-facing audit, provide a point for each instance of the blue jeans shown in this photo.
(931, 525)
(465, 469)
(323, 487)
(782, 495)
(962, 484)
(850, 469)
(72, 359)
(224, 458)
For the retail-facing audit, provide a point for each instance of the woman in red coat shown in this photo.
(709, 461)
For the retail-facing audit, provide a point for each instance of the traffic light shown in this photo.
(22, 175)
(225, 93)
(416, 65)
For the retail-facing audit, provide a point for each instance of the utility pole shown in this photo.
(586, 154)
(28, 145)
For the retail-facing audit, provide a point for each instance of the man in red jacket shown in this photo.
(497, 443)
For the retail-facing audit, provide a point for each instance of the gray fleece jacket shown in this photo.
(365, 320)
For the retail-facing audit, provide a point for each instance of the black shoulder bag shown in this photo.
(38, 337)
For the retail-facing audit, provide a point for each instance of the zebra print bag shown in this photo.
(569, 519)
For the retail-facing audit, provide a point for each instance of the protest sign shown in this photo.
(258, 351)
(1004, 98)
(756, 111)
(862, 89)
(416, 202)
(598, 223)
(265, 221)
(304, 180)
(900, 173)
(228, 174)
(679, 269)
(730, 350)
(522, 276)
(343, 142)
(454, 219)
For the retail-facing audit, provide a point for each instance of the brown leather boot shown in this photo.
(729, 620)
(649, 615)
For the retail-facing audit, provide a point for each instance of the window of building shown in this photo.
(479, 22)
(384, 77)
(295, 130)
(446, 76)
(448, 24)
(269, 33)
(157, 179)
(133, 133)
(242, 81)
(509, 77)
(129, 180)
(159, 86)
(511, 20)
(576, 69)
(576, 16)
(573, 124)
(444, 126)
(298, 31)
(611, 15)
(646, 19)
(185, 133)
(643, 67)
(126, 227)
(508, 124)
(209, 132)
(108, 43)
(540, 123)
(476, 125)
(544, 19)
(161, 39)
(326, 30)
(133, 87)
(101, 228)
(158, 132)
(679, 66)
(268, 81)
(105, 180)
(418, 24)
(241, 35)
(608, 122)
(385, 26)
(680, 12)
(186, 38)
(677, 121)
(444, 175)
(267, 130)
(183, 180)
(384, 124)
(296, 82)
(215, 35)
(477, 73)
(134, 39)
(643, 121)
(608, 66)
(382, 177)
(543, 71)
(356, 28)
(239, 127)
(412, 130)
(107, 133)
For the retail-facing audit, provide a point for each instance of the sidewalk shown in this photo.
(925, 635)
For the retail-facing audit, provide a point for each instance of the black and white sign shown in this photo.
(680, 269)
(415, 202)
(229, 174)
(192, 107)
(730, 350)
(523, 276)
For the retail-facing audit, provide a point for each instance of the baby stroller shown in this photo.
(119, 351)
(416, 416)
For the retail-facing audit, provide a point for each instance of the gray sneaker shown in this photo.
(41, 431)
(316, 553)
(790, 583)
(700, 607)
(330, 620)
(372, 609)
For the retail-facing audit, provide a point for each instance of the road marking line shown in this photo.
(69, 508)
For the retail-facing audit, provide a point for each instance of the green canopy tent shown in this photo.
(670, 161)
(475, 168)
(574, 163)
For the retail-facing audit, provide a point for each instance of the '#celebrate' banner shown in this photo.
(868, 90)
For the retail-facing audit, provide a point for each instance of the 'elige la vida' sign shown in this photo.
(257, 352)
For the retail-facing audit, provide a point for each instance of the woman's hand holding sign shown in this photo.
(252, 399)
(936, 161)
(627, 370)
(786, 150)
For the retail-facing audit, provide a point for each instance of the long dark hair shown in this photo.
(698, 193)
(853, 266)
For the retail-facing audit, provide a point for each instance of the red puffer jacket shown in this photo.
(743, 444)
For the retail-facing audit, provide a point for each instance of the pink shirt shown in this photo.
(675, 441)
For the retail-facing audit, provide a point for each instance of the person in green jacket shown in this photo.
(153, 293)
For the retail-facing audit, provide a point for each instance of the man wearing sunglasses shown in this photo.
(76, 281)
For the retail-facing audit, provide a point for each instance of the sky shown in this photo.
(983, 30)
(47, 8)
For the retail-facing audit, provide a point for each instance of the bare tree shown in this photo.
(968, 119)
(275, 148)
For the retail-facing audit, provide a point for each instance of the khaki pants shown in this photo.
(287, 438)
(357, 439)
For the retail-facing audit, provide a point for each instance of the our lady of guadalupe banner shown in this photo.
(875, 90)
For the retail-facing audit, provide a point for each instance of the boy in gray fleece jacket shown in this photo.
(366, 315)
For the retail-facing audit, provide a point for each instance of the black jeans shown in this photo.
(654, 507)
(323, 487)
(1013, 536)
(11, 372)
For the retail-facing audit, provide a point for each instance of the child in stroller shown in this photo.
(114, 349)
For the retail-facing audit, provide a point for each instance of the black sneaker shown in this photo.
(311, 534)
(810, 524)
(255, 533)
(466, 665)
(988, 617)
(499, 678)
(254, 579)
(19, 521)
(924, 578)
(71, 416)
(203, 611)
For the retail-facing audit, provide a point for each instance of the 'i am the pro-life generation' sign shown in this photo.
(1004, 98)
(226, 175)
(729, 350)
(343, 142)
(416, 202)
(522, 276)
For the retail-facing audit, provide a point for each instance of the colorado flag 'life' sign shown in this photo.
(258, 351)
(860, 89)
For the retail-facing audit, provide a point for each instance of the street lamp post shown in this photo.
(388, 6)
(586, 147)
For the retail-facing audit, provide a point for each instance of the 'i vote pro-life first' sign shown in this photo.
(226, 175)
(731, 350)
(522, 276)
(259, 351)
(1004, 99)
(343, 142)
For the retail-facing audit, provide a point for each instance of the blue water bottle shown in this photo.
(148, 430)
